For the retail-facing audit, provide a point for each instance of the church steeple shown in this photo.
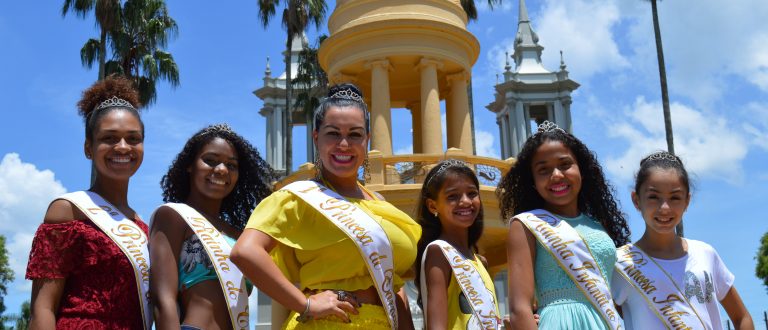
(527, 49)
(531, 94)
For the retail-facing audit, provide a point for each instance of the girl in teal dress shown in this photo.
(556, 172)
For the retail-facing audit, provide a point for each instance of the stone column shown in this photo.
(431, 125)
(457, 112)
(502, 136)
(310, 143)
(268, 113)
(381, 127)
(567, 110)
(278, 143)
(522, 125)
(416, 126)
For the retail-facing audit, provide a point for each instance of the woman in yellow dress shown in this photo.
(305, 260)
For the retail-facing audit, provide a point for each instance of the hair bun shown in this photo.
(104, 90)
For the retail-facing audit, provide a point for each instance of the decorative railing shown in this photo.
(412, 169)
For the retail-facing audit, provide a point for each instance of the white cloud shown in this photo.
(25, 193)
(581, 28)
(755, 64)
(706, 142)
(757, 126)
(407, 150)
(484, 142)
(703, 45)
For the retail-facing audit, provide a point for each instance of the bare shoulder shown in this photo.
(435, 257)
(62, 211)
(166, 218)
(483, 260)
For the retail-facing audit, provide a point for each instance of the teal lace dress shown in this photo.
(561, 304)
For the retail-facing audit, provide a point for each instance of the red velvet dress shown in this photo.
(101, 290)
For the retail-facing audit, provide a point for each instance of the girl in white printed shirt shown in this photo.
(664, 280)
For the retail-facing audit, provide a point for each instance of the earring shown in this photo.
(366, 169)
(318, 167)
(435, 214)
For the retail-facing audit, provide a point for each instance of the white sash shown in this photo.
(470, 281)
(230, 277)
(575, 258)
(126, 234)
(658, 289)
(370, 239)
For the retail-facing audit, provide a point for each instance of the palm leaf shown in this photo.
(89, 54)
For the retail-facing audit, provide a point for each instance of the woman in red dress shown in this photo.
(81, 279)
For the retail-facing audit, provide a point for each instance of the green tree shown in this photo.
(6, 275)
(137, 47)
(471, 9)
(107, 14)
(310, 83)
(20, 320)
(297, 15)
(311, 80)
(761, 270)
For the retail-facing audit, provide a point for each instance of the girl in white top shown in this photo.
(662, 264)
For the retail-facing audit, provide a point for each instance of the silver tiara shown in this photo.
(444, 165)
(662, 155)
(217, 128)
(347, 94)
(114, 102)
(548, 126)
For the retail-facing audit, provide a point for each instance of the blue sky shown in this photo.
(717, 63)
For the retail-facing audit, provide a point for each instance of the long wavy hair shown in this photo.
(431, 228)
(253, 183)
(517, 194)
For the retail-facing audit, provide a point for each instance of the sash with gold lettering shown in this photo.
(482, 301)
(371, 240)
(230, 278)
(126, 235)
(575, 258)
(659, 290)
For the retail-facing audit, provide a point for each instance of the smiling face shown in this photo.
(341, 142)
(458, 202)
(214, 173)
(557, 178)
(662, 200)
(116, 145)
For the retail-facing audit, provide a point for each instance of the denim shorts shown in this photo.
(189, 327)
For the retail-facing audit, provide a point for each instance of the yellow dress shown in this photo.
(459, 309)
(315, 254)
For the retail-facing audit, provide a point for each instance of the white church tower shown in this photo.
(273, 96)
(530, 94)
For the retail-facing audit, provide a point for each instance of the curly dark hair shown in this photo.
(253, 183)
(102, 90)
(517, 194)
(431, 228)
